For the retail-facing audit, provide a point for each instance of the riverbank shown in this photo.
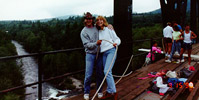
(30, 72)
(11, 74)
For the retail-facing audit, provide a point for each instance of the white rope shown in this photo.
(107, 71)
(125, 70)
(123, 75)
(118, 76)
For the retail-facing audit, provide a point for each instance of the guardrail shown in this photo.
(40, 56)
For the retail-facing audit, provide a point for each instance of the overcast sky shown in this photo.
(40, 9)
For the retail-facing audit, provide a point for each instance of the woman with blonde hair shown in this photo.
(108, 50)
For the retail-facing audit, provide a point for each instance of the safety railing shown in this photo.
(40, 55)
(40, 81)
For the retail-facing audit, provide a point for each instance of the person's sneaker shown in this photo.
(100, 95)
(176, 53)
(182, 60)
(86, 96)
(178, 61)
(168, 61)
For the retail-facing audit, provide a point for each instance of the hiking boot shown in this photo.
(86, 96)
(110, 96)
(100, 95)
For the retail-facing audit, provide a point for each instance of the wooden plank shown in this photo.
(195, 93)
(145, 71)
(184, 87)
(142, 72)
(135, 86)
(130, 87)
(133, 94)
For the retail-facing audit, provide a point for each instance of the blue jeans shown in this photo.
(90, 63)
(107, 59)
(176, 46)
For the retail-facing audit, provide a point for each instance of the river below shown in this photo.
(30, 73)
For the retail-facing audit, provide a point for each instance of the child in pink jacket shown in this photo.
(154, 49)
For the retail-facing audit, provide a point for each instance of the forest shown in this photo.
(11, 74)
(56, 34)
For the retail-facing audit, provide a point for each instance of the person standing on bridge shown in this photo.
(90, 39)
(108, 52)
(179, 26)
(167, 32)
(187, 35)
(176, 46)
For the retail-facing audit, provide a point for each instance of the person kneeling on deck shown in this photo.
(187, 35)
(108, 53)
(154, 49)
(89, 37)
(176, 46)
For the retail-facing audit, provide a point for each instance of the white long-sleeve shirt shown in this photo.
(109, 35)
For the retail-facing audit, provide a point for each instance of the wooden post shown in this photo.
(123, 27)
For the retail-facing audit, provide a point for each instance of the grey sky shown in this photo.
(40, 9)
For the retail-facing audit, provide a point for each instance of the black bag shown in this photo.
(154, 88)
(185, 73)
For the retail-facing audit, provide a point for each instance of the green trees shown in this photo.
(48, 36)
(57, 34)
(147, 32)
(11, 74)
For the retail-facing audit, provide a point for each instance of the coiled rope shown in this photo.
(123, 75)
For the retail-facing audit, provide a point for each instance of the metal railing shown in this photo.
(40, 81)
(40, 55)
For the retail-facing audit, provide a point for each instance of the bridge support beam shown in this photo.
(123, 28)
(173, 10)
(194, 16)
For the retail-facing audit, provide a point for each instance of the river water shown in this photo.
(30, 73)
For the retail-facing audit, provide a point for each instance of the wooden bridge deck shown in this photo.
(131, 87)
